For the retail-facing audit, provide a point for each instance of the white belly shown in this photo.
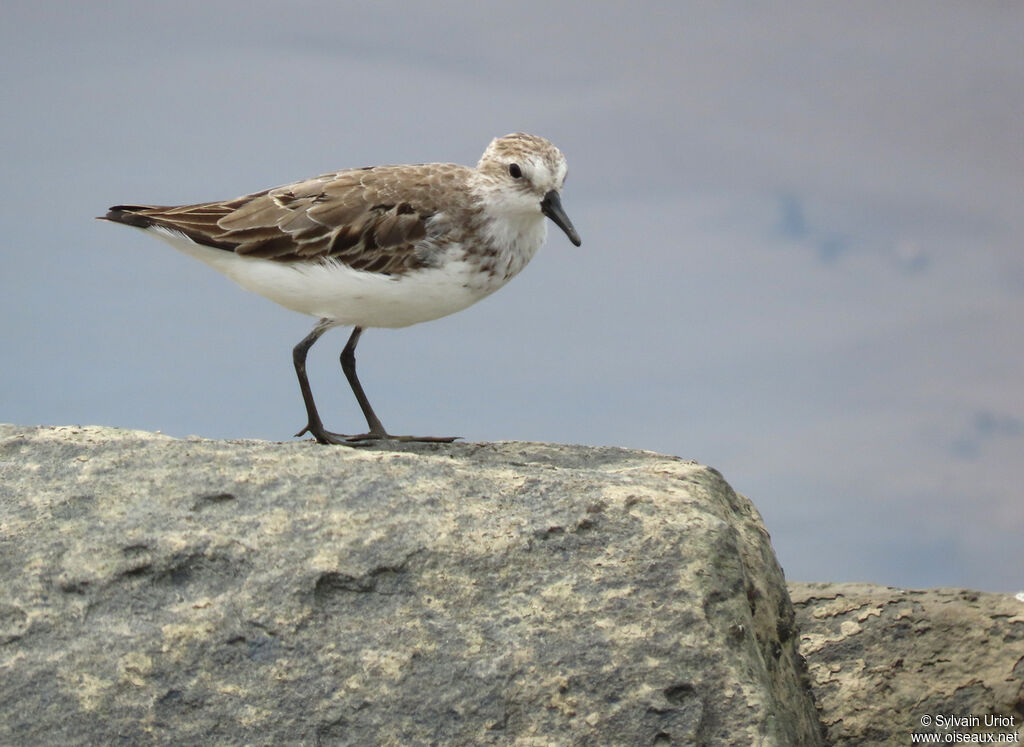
(351, 297)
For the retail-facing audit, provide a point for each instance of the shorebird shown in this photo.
(380, 246)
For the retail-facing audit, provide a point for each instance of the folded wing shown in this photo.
(369, 219)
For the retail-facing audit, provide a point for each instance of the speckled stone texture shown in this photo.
(886, 663)
(166, 591)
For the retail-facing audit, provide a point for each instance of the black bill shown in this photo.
(551, 206)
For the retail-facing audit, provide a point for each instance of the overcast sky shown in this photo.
(802, 256)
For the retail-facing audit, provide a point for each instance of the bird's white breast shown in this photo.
(458, 278)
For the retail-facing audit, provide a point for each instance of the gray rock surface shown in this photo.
(886, 663)
(165, 591)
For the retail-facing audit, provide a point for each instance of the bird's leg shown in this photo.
(348, 365)
(314, 426)
(376, 432)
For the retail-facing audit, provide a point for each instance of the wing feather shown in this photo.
(369, 219)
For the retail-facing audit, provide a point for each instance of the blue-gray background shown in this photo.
(802, 258)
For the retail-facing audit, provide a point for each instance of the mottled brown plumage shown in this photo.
(356, 217)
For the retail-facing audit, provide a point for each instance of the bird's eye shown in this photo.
(514, 170)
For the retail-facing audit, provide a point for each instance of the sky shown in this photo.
(802, 257)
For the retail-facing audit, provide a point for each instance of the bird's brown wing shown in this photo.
(369, 219)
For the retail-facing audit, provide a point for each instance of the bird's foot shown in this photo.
(324, 436)
(364, 439)
(368, 438)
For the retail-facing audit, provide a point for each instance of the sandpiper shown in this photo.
(380, 246)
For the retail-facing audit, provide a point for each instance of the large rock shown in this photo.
(190, 591)
(886, 663)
